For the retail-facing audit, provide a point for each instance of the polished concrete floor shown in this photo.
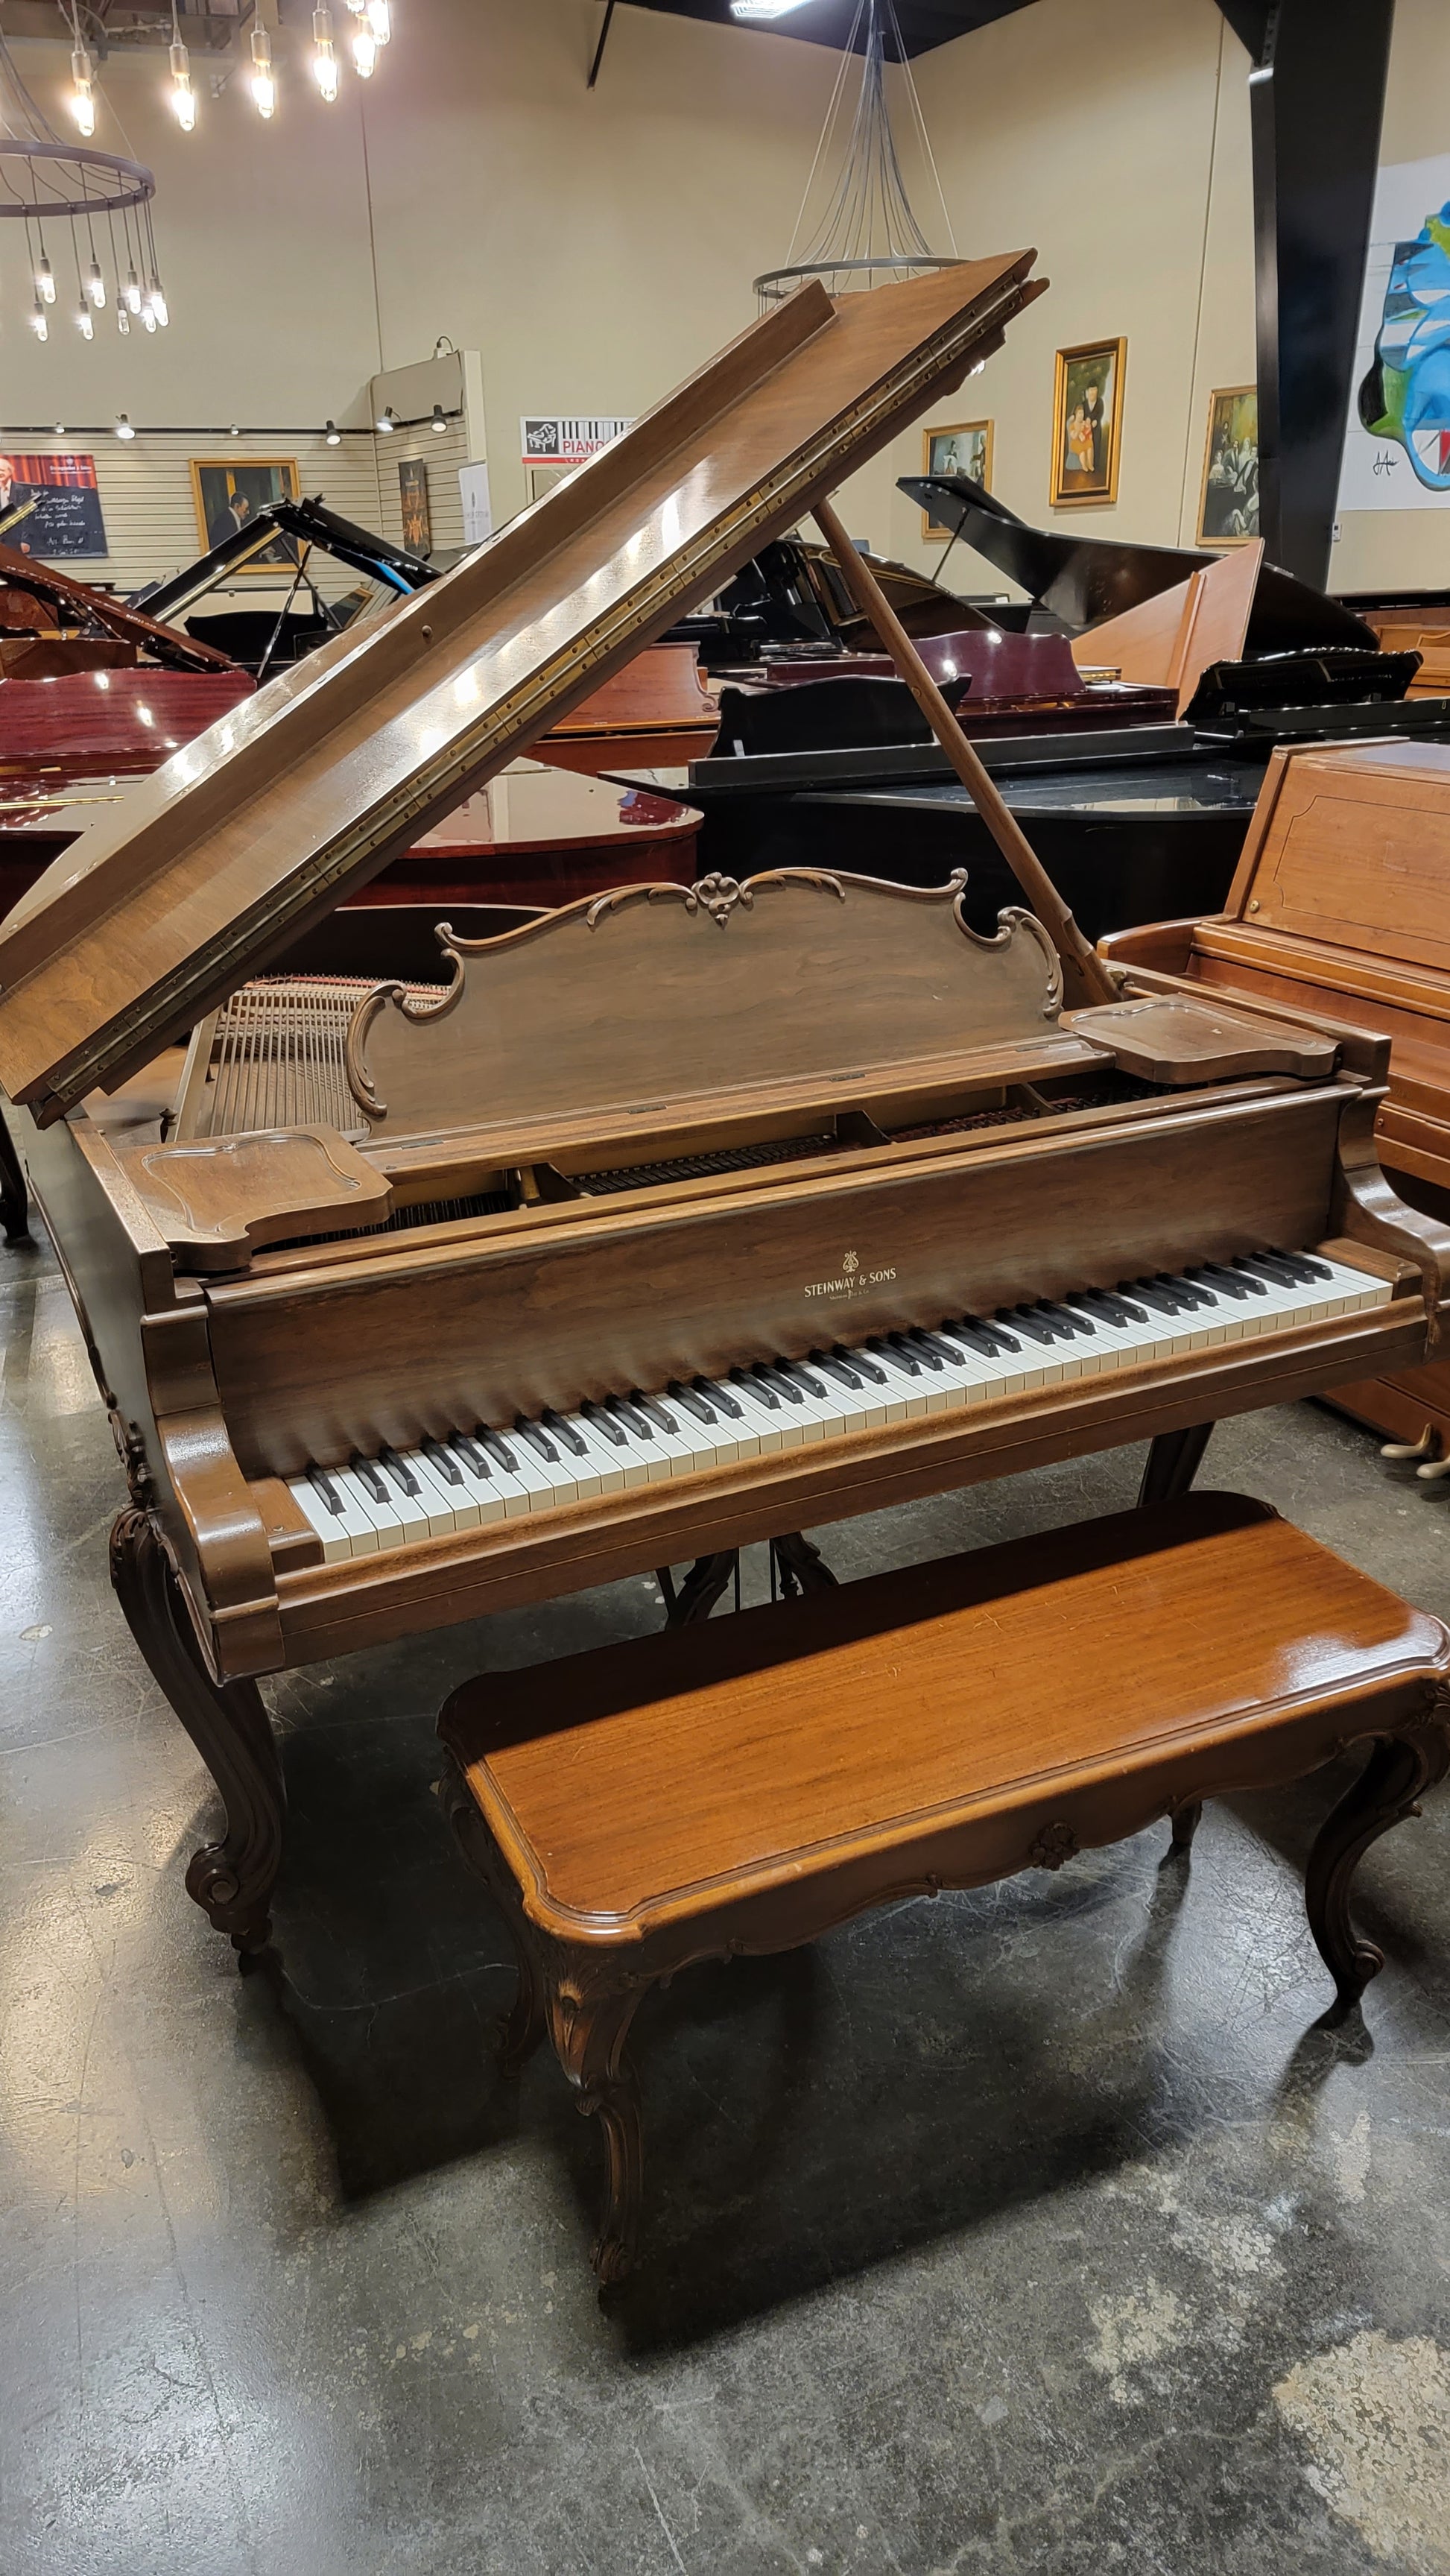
(1040, 2229)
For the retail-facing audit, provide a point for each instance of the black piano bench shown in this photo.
(747, 1784)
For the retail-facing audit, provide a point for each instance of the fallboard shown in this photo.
(311, 1365)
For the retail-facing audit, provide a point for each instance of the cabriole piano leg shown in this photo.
(1388, 1789)
(1174, 1459)
(232, 1879)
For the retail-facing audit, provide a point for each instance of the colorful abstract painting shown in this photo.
(1406, 394)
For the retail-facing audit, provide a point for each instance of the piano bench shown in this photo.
(746, 1784)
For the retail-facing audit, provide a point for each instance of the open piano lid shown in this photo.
(1084, 580)
(266, 822)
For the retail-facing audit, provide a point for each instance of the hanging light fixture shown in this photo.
(83, 95)
(123, 319)
(148, 318)
(264, 79)
(96, 285)
(38, 323)
(84, 324)
(131, 293)
(183, 96)
(364, 49)
(380, 19)
(324, 53)
(44, 281)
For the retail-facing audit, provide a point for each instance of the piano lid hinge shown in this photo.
(541, 1184)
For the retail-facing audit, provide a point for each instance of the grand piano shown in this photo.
(1126, 708)
(679, 1218)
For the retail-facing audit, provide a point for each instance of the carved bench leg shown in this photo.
(14, 1199)
(1174, 1459)
(802, 1566)
(231, 1880)
(795, 1559)
(1185, 1822)
(589, 2029)
(697, 1595)
(1387, 1790)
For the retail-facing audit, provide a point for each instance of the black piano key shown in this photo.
(934, 1342)
(919, 1349)
(566, 1432)
(766, 1395)
(689, 1402)
(903, 1360)
(768, 1376)
(651, 1405)
(1305, 1265)
(1161, 1300)
(402, 1474)
(870, 1369)
(799, 1374)
(721, 1398)
(988, 1340)
(604, 1423)
(367, 1474)
(538, 1440)
(498, 1450)
(630, 1415)
(471, 1454)
(841, 1370)
(1230, 1283)
(1064, 1315)
(1110, 1309)
(1036, 1329)
(320, 1480)
(437, 1456)
(1191, 1285)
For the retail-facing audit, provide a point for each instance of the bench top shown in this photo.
(663, 1778)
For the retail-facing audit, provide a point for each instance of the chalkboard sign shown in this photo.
(50, 507)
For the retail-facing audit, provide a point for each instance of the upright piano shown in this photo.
(678, 1218)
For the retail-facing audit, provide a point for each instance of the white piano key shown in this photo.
(331, 1527)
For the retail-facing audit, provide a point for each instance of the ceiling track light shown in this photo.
(440, 421)
(264, 79)
(388, 421)
(123, 426)
(333, 434)
(324, 54)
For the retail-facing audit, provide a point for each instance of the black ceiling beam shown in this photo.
(1316, 104)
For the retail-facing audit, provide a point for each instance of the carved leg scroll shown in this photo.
(1387, 1790)
(14, 1199)
(1174, 1459)
(231, 1880)
(589, 2030)
(701, 1589)
(802, 1566)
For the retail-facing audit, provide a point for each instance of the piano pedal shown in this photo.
(1407, 1452)
(1433, 1470)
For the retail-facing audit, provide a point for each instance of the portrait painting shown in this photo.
(965, 449)
(1087, 422)
(229, 492)
(1228, 503)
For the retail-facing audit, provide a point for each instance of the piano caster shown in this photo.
(14, 1199)
(796, 1565)
(230, 1880)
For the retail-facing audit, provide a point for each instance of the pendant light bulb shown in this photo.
(183, 96)
(324, 56)
(380, 19)
(96, 285)
(123, 426)
(148, 318)
(84, 324)
(131, 292)
(38, 322)
(364, 50)
(264, 79)
(123, 319)
(157, 303)
(44, 280)
(83, 95)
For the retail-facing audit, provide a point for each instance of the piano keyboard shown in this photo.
(495, 1473)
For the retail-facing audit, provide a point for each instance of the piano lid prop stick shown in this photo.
(1076, 952)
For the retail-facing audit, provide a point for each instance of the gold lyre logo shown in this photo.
(850, 1264)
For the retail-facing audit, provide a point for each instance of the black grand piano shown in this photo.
(1130, 748)
(284, 535)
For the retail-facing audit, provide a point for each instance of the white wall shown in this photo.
(594, 247)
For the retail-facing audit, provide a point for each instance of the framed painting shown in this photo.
(229, 491)
(965, 449)
(413, 497)
(1228, 500)
(1087, 423)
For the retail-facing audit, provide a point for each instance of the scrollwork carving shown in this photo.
(1055, 1844)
